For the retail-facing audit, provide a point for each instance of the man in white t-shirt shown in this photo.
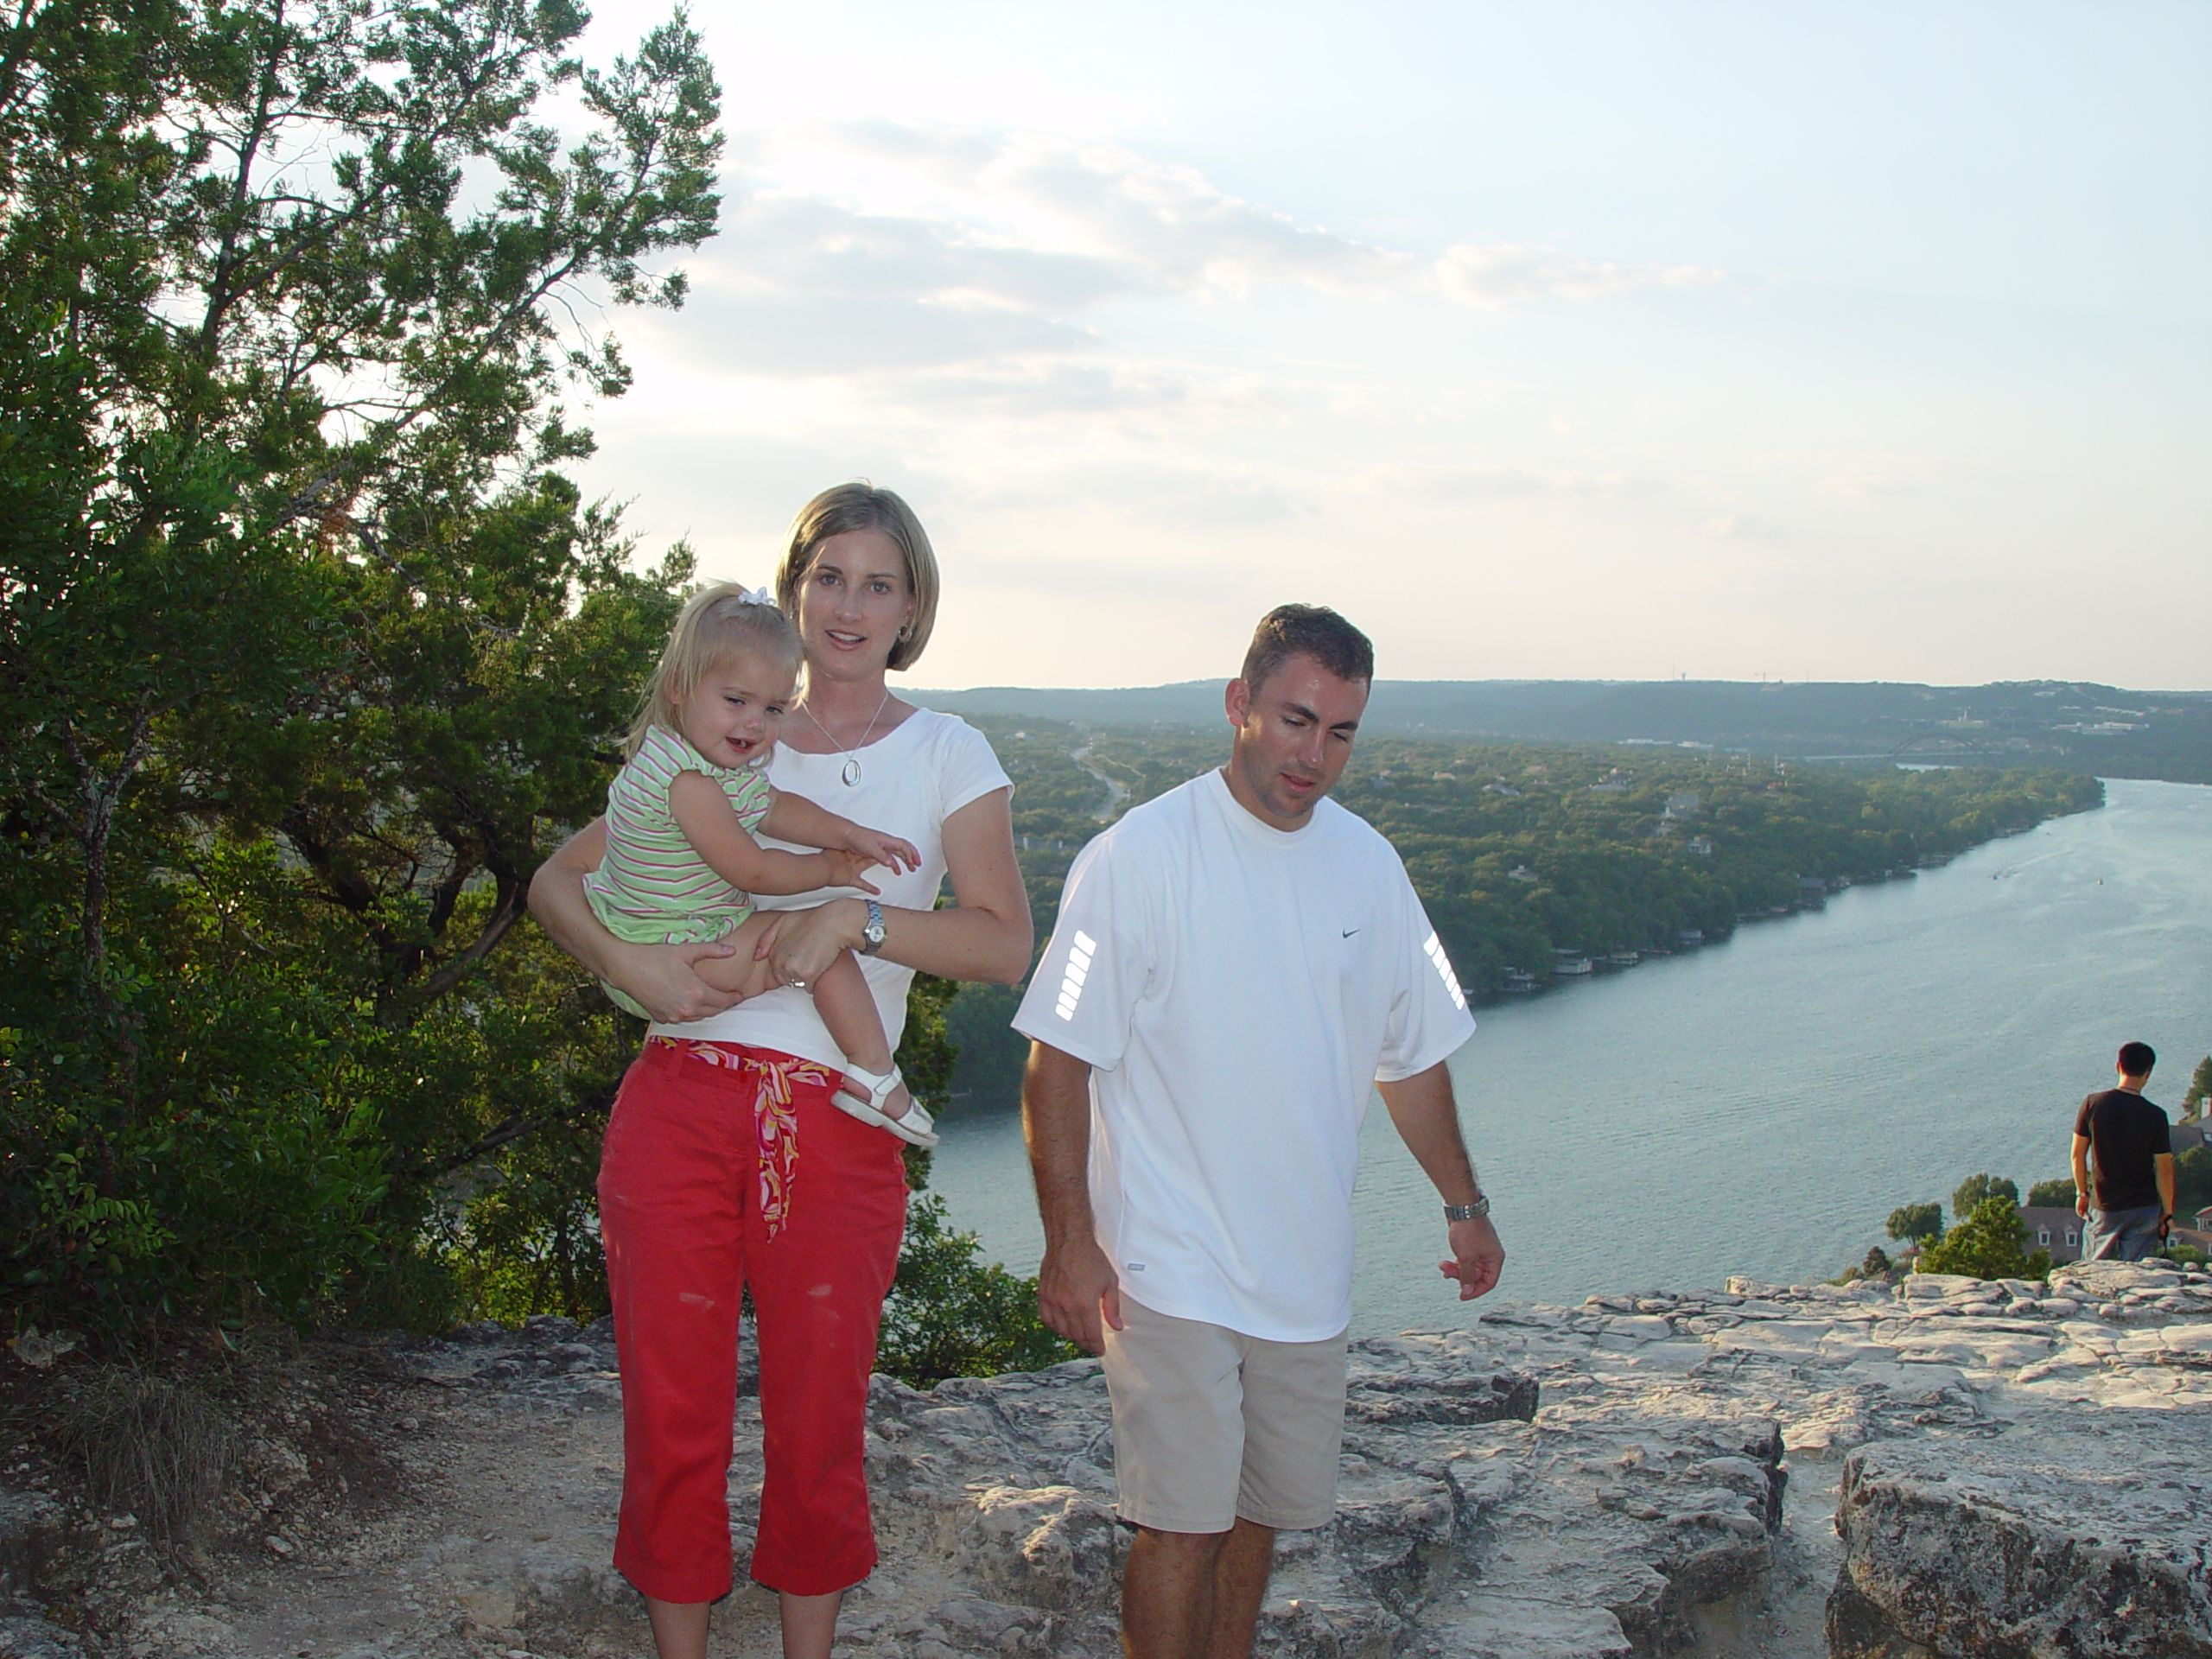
(1236, 963)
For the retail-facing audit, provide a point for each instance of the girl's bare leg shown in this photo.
(810, 1623)
(841, 996)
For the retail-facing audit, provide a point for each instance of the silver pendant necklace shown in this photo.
(851, 769)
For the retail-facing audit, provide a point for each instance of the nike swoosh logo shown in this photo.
(1350, 931)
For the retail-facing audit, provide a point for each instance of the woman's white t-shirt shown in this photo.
(912, 780)
(1237, 990)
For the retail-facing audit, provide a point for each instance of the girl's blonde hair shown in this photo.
(717, 623)
(862, 506)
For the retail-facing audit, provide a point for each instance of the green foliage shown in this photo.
(950, 1313)
(2200, 1087)
(308, 652)
(1976, 1188)
(1877, 1261)
(1985, 1244)
(2192, 1181)
(1917, 1222)
(2058, 1194)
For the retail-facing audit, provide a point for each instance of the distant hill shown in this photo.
(2077, 727)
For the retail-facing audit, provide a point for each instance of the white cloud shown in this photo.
(1157, 225)
(1476, 482)
(1743, 527)
(1506, 275)
(866, 248)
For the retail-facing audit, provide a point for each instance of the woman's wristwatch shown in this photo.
(1474, 1211)
(871, 935)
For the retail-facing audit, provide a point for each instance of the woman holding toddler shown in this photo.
(751, 1146)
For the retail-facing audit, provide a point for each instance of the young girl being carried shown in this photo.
(681, 862)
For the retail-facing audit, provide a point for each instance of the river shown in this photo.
(1759, 1106)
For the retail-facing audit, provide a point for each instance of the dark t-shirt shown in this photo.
(2125, 1133)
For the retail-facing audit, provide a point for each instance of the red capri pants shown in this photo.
(727, 1167)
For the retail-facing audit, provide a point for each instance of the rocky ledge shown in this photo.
(1948, 1466)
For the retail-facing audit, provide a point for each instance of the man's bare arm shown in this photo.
(1426, 1117)
(1076, 1286)
(2162, 1164)
(2081, 1174)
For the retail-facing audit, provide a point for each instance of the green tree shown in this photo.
(1985, 1244)
(2058, 1194)
(2200, 1086)
(1976, 1188)
(307, 649)
(1917, 1222)
(2192, 1181)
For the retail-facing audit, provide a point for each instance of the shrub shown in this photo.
(1986, 1245)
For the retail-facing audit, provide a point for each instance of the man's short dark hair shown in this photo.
(1312, 630)
(2136, 1059)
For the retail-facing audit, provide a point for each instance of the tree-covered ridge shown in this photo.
(1521, 852)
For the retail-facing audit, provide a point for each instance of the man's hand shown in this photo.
(1477, 1257)
(1077, 1294)
(2081, 1204)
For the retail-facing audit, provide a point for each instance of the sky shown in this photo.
(1573, 340)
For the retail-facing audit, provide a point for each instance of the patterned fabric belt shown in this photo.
(772, 1112)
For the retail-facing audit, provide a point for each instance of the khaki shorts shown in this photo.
(1210, 1425)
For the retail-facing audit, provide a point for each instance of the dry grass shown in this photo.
(153, 1448)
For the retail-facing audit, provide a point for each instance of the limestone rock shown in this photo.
(2085, 1538)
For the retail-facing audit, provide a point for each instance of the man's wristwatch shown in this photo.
(871, 935)
(1474, 1211)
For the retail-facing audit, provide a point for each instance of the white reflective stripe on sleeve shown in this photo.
(1434, 949)
(1079, 954)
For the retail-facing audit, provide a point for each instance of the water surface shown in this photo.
(1758, 1106)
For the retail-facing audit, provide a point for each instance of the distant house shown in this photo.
(2189, 1136)
(2200, 1235)
(1520, 873)
(1701, 845)
(1444, 777)
(1683, 805)
(1501, 788)
(2052, 1227)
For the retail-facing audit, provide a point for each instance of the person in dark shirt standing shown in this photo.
(2127, 1138)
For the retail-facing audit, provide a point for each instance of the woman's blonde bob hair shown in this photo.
(860, 505)
(717, 622)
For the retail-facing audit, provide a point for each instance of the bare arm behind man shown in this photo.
(1426, 1116)
(1077, 1294)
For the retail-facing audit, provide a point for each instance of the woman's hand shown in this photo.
(662, 977)
(664, 980)
(799, 946)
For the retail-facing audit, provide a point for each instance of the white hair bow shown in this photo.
(757, 596)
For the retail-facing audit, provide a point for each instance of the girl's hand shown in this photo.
(877, 847)
(845, 869)
(800, 945)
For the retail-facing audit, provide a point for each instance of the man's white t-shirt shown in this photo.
(1236, 990)
(912, 780)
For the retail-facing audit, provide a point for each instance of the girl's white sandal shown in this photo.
(914, 1127)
